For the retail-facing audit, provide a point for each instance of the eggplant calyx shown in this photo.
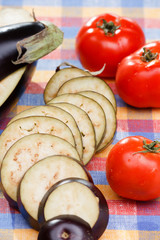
(39, 44)
(148, 55)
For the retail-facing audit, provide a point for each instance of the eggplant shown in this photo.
(78, 197)
(53, 111)
(24, 43)
(110, 115)
(68, 227)
(9, 37)
(88, 83)
(30, 125)
(59, 78)
(40, 177)
(12, 87)
(85, 126)
(26, 152)
(21, 44)
(91, 107)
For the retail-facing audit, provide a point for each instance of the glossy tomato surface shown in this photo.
(95, 47)
(137, 81)
(133, 174)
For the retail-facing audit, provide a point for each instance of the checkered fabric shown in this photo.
(128, 220)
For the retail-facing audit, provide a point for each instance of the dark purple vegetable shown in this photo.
(13, 98)
(103, 217)
(9, 36)
(22, 44)
(66, 227)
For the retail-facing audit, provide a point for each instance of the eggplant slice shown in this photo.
(59, 78)
(30, 125)
(56, 112)
(110, 115)
(69, 226)
(88, 83)
(40, 177)
(91, 107)
(10, 15)
(86, 129)
(26, 152)
(71, 198)
(76, 197)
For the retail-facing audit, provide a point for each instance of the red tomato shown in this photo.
(107, 39)
(134, 174)
(138, 77)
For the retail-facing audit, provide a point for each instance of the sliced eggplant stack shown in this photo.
(110, 115)
(68, 227)
(30, 125)
(55, 112)
(88, 83)
(86, 129)
(59, 78)
(91, 107)
(78, 197)
(12, 87)
(41, 177)
(26, 152)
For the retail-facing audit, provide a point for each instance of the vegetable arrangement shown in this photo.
(44, 151)
(51, 144)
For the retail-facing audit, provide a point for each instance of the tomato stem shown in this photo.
(150, 147)
(107, 27)
(147, 55)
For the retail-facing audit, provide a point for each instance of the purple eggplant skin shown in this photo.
(65, 227)
(19, 205)
(9, 36)
(102, 221)
(9, 105)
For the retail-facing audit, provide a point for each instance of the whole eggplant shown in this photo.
(23, 40)
(9, 36)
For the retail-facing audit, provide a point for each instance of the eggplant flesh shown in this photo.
(9, 36)
(53, 204)
(11, 93)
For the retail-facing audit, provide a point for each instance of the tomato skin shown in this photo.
(133, 176)
(137, 82)
(94, 48)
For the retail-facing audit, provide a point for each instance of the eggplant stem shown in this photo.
(39, 44)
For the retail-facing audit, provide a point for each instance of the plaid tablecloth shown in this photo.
(129, 220)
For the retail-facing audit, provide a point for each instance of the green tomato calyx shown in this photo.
(148, 55)
(152, 147)
(107, 27)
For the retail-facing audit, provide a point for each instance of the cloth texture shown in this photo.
(128, 220)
